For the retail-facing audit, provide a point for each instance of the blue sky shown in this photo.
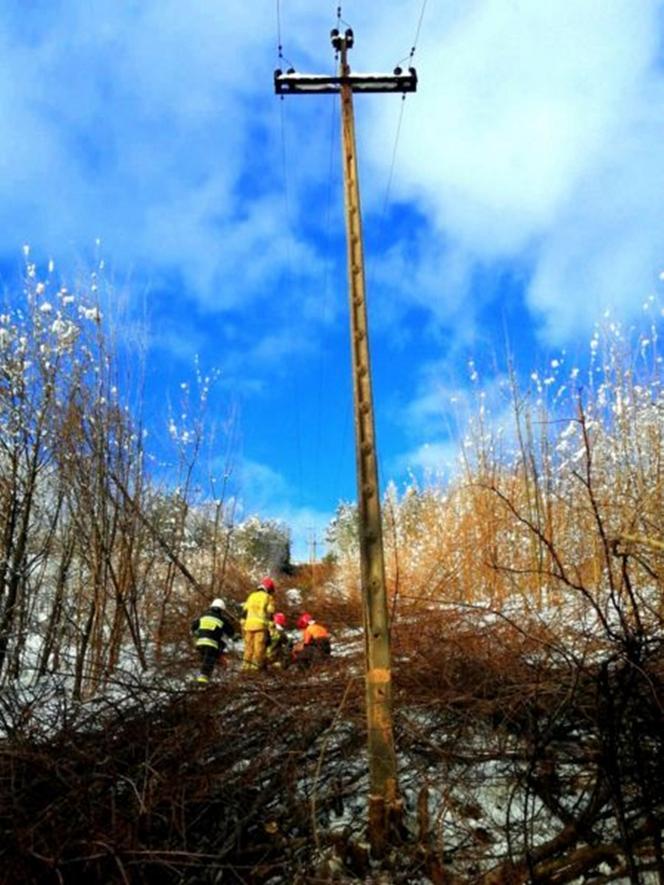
(524, 200)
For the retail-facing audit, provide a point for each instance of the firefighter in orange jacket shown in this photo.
(258, 609)
(315, 643)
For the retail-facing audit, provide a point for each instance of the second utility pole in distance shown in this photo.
(384, 802)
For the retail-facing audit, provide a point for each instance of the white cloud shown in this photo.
(433, 460)
(260, 484)
(140, 124)
(535, 136)
(536, 131)
(420, 271)
(609, 242)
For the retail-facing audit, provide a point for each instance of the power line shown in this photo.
(280, 47)
(326, 282)
(322, 365)
(409, 58)
(279, 44)
(289, 253)
(381, 223)
(394, 158)
(290, 264)
(419, 28)
(341, 20)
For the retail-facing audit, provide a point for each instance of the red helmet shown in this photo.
(303, 621)
(267, 584)
(279, 618)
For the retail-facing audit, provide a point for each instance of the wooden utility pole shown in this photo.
(384, 802)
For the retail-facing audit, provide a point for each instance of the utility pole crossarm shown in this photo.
(292, 83)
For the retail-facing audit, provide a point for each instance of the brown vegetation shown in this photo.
(516, 763)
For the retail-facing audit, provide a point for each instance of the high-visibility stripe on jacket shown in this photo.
(258, 610)
(209, 630)
(314, 632)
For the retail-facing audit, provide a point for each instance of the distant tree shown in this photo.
(342, 534)
(262, 545)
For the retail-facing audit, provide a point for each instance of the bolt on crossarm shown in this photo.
(384, 803)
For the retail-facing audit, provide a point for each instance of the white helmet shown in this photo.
(217, 603)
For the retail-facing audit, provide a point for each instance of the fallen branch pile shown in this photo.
(200, 783)
(517, 764)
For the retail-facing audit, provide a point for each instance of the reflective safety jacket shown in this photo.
(210, 629)
(281, 643)
(313, 633)
(258, 610)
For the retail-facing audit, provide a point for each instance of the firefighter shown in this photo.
(314, 645)
(209, 631)
(258, 609)
(280, 647)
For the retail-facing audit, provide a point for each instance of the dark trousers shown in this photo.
(313, 653)
(208, 657)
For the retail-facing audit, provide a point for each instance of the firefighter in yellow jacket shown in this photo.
(258, 609)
